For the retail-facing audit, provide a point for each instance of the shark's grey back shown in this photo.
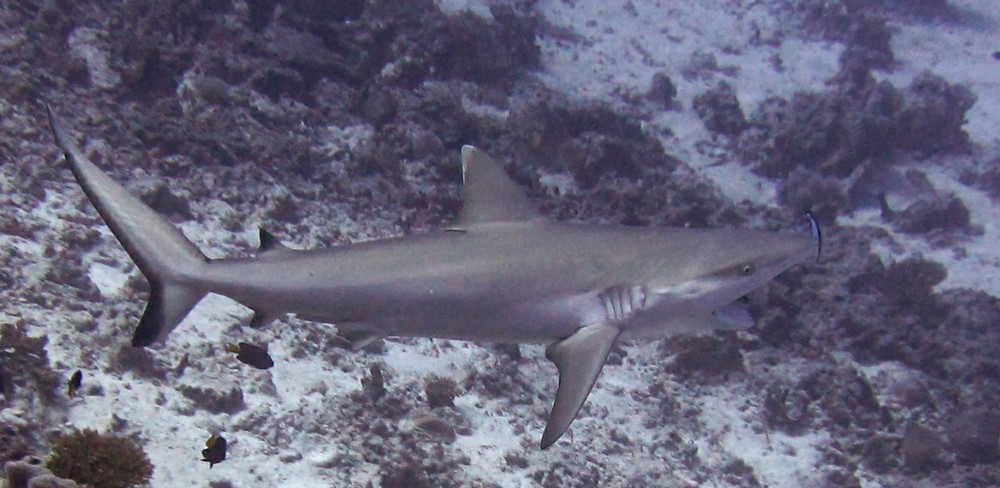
(501, 273)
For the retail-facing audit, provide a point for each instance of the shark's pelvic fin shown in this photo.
(579, 358)
(170, 262)
(490, 195)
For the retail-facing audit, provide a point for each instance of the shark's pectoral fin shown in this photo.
(355, 335)
(579, 359)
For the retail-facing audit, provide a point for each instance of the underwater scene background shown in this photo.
(330, 122)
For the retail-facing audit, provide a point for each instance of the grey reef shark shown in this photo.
(502, 273)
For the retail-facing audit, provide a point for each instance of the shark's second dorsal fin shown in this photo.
(263, 317)
(355, 335)
(579, 358)
(269, 243)
(490, 195)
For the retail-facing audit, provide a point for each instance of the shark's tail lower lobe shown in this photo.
(173, 265)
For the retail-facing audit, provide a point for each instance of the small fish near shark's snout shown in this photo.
(501, 273)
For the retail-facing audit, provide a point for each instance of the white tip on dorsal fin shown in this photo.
(490, 195)
(579, 358)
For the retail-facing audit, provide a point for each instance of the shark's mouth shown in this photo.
(735, 315)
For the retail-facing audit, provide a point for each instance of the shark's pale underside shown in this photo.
(501, 273)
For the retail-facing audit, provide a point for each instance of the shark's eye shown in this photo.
(746, 269)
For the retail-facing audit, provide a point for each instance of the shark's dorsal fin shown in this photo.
(490, 195)
(269, 243)
(579, 358)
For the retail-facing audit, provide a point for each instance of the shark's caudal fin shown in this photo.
(170, 262)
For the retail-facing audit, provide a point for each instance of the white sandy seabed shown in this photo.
(619, 46)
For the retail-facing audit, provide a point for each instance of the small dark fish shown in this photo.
(74, 383)
(215, 450)
(3, 380)
(255, 356)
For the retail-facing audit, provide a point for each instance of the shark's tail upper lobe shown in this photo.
(173, 265)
